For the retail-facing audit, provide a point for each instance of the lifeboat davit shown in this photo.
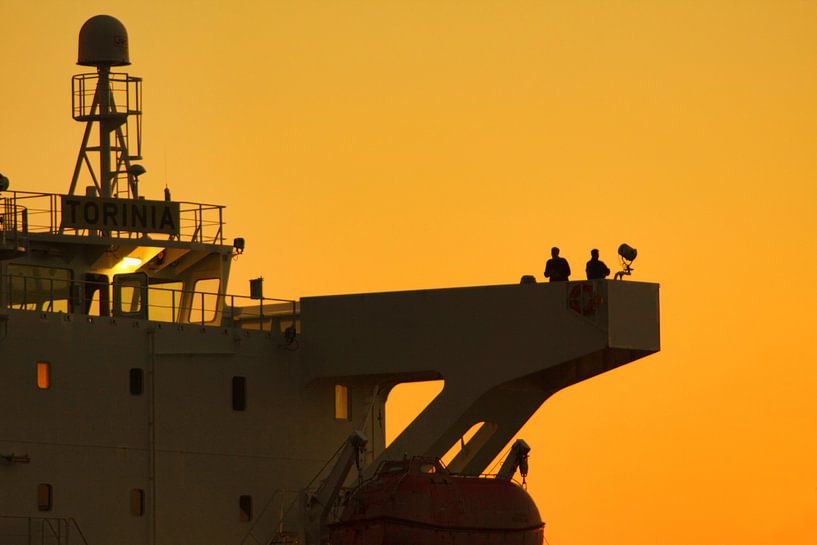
(418, 502)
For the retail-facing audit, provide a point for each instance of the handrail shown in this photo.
(22, 292)
(57, 535)
(199, 222)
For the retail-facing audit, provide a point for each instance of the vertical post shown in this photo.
(173, 306)
(220, 227)
(103, 89)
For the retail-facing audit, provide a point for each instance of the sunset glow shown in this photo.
(373, 146)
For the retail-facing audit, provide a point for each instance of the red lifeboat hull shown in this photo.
(416, 502)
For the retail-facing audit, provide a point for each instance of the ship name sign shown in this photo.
(137, 215)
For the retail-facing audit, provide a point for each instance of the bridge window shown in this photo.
(137, 502)
(44, 497)
(39, 288)
(43, 375)
(245, 508)
(165, 301)
(205, 300)
(342, 411)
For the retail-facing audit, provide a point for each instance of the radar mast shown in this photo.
(112, 103)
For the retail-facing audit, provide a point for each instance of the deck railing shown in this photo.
(151, 302)
(29, 212)
(25, 530)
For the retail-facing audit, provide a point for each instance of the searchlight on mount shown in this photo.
(4, 183)
(626, 255)
(134, 171)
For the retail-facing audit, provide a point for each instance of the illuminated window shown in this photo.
(137, 502)
(136, 381)
(341, 402)
(245, 508)
(44, 497)
(43, 375)
(239, 393)
(165, 301)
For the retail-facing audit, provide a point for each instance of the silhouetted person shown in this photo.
(557, 268)
(596, 269)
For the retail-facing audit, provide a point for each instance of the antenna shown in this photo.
(111, 103)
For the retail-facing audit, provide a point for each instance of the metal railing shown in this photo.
(151, 302)
(30, 212)
(25, 530)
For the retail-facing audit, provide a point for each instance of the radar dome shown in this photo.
(103, 41)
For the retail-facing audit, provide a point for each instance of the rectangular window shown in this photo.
(245, 508)
(137, 502)
(239, 393)
(44, 497)
(136, 381)
(39, 288)
(204, 305)
(43, 375)
(165, 301)
(341, 402)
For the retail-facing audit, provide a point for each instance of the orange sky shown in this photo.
(367, 146)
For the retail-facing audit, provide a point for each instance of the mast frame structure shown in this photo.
(111, 102)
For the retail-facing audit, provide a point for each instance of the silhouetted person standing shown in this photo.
(557, 268)
(596, 269)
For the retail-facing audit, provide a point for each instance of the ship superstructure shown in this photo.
(142, 404)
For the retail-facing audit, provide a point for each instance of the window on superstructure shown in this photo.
(342, 411)
(245, 508)
(44, 497)
(33, 287)
(43, 375)
(136, 381)
(165, 300)
(239, 393)
(205, 300)
(137, 502)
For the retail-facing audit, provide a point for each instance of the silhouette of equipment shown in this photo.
(627, 255)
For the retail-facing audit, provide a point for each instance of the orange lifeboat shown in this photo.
(418, 502)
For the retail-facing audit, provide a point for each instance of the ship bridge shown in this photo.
(164, 261)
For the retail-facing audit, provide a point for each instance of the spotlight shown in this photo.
(135, 171)
(238, 245)
(627, 255)
(4, 183)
